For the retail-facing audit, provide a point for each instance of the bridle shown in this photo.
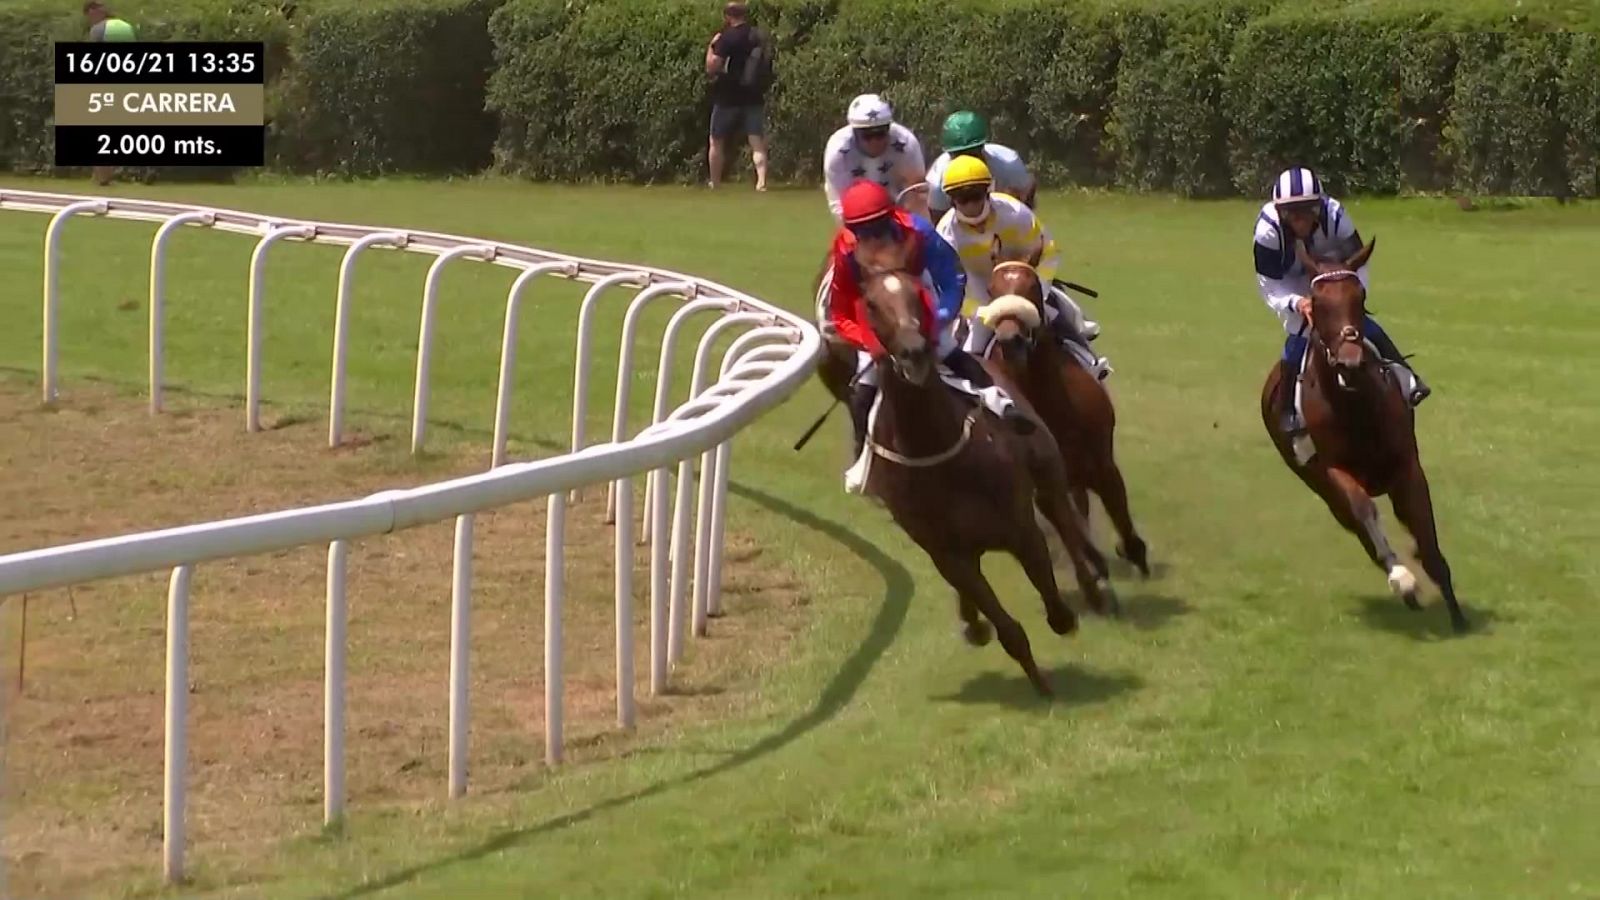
(918, 462)
(1019, 264)
(1349, 334)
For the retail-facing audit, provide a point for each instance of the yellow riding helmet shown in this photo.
(965, 171)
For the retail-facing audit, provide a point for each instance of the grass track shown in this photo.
(1270, 723)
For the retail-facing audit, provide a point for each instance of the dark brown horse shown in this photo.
(1067, 397)
(1361, 429)
(957, 480)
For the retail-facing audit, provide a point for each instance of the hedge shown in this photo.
(386, 86)
(1201, 97)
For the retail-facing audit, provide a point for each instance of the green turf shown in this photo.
(1268, 723)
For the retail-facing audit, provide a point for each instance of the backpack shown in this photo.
(758, 66)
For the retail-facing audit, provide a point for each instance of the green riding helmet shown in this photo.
(964, 130)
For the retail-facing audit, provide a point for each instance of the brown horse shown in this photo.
(957, 480)
(1362, 429)
(1067, 397)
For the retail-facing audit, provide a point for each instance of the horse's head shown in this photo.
(1339, 306)
(1015, 324)
(895, 310)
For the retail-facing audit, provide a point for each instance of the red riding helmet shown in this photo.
(865, 201)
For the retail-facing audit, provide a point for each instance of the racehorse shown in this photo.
(1362, 430)
(958, 481)
(1067, 397)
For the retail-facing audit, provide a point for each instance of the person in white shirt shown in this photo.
(873, 146)
(965, 133)
(1301, 211)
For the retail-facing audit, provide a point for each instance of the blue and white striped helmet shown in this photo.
(1297, 185)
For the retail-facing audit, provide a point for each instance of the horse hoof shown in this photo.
(1138, 557)
(1042, 685)
(1460, 624)
(977, 634)
(1102, 598)
(1402, 582)
(1062, 619)
(1411, 601)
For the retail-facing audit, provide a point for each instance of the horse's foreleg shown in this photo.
(1413, 506)
(1370, 529)
(1034, 554)
(966, 576)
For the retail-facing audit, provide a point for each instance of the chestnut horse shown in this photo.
(1070, 400)
(1362, 431)
(956, 479)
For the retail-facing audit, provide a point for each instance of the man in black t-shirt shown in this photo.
(739, 63)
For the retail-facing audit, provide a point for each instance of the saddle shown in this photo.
(992, 398)
(1398, 374)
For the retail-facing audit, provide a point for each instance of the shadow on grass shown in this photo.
(1147, 612)
(1431, 623)
(1074, 686)
(897, 590)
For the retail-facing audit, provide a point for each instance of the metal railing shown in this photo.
(758, 370)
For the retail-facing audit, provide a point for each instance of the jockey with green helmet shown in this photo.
(967, 134)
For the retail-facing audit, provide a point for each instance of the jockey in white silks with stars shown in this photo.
(965, 133)
(873, 146)
(1301, 211)
(984, 225)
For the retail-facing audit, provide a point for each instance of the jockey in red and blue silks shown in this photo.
(1301, 212)
(869, 212)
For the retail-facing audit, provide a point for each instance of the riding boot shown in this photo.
(1391, 353)
(965, 365)
(861, 400)
(1063, 325)
(1288, 419)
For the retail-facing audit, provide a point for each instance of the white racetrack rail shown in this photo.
(763, 367)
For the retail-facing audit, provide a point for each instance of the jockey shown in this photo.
(966, 134)
(869, 212)
(875, 147)
(983, 225)
(1300, 211)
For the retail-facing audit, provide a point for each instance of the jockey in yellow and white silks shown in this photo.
(985, 226)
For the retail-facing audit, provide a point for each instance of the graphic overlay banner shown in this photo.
(160, 104)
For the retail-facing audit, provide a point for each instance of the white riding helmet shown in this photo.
(1295, 186)
(869, 111)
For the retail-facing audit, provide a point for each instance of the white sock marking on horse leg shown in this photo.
(1401, 581)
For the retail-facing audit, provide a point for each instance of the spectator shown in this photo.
(103, 26)
(739, 63)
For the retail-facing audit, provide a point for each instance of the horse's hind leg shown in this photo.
(1413, 506)
(966, 576)
(1367, 526)
(1114, 494)
(1057, 507)
(973, 629)
(1034, 554)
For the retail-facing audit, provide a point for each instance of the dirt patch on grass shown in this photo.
(83, 753)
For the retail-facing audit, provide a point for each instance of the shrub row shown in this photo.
(1202, 97)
